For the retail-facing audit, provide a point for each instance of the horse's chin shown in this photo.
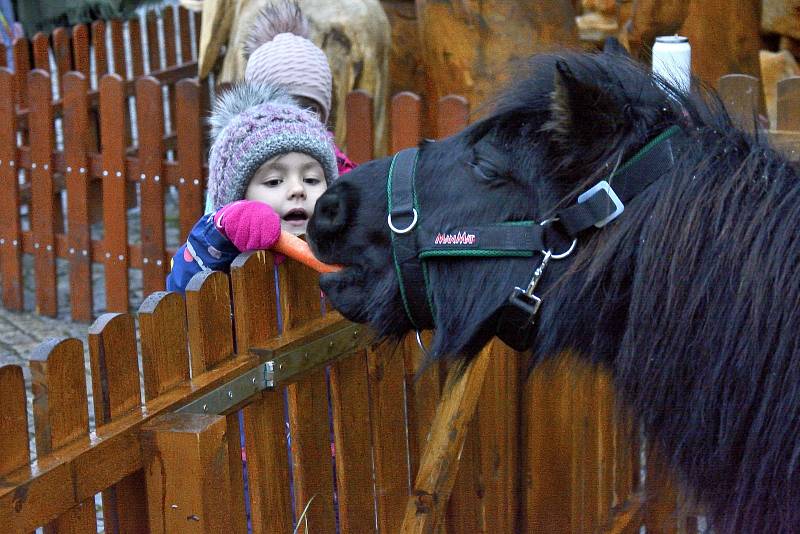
(344, 290)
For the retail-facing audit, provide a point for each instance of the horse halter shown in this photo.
(594, 208)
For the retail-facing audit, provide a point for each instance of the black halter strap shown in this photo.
(596, 207)
(403, 218)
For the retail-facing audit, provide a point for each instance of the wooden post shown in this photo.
(255, 310)
(80, 49)
(359, 144)
(76, 153)
(22, 64)
(189, 131)
(11, 231)
(186, 471)
(165, 355)
(115, 237)
(61, 415)
(150, 116)
(440, 461)
(208, 311)
(741, 95)
(308, 406)
(42, 210)
(350, 401)
(115, 386)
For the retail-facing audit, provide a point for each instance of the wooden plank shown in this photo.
(452, 115)
(405, 121)
(254, 299)
(11, 230)
(185, 31)
(61, 52)
(190, 155)
(350, 402)
(61, 415)
(3, 55)
(423, 391)
(255, 310)
(115, 388)
(80, 49)
(498, 429)
(603, 406)
(626, 462)
(741, 95)
(153, 46)
(118, 47)
(466, 510)
(660, 505)
(309, 425)
(42, 197)
(440, 463)
(165, 355)
(386, 391)
(100, 51)
(22, 65)
(208, 313)
(359, 142)
(137, 55)
(789, 104)
(76, 150)
(170, 45)
(149, 113)
(41, 52)
(115, 231)
(268, 463)
(115, 450)
(14, 452)
(237, 518)
(187, 484)
(547, 449)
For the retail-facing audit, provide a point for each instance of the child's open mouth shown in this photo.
(296, 217)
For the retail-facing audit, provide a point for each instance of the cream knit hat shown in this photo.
(280, 53)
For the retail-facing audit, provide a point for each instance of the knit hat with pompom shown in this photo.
(252, 123)
(279, 53)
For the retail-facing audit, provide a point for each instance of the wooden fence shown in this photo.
(544, 455)
(111, 116)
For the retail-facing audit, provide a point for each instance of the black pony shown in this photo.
(689, 297)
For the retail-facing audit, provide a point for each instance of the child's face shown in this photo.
(290, 184)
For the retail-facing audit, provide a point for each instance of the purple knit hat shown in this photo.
(279, 53)
(252, 123)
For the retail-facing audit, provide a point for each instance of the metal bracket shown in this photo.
(282, 366)
(288, 365)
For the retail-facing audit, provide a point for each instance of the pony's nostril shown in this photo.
(330, 212)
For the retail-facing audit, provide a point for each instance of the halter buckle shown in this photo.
(611, 201)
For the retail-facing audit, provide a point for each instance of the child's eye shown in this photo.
(273, 182)
(312, 181)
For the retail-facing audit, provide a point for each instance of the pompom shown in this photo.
(284, 16)
(243, 96)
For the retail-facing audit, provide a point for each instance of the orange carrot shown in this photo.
(297, 249)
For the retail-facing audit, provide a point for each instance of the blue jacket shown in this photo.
(205, 250)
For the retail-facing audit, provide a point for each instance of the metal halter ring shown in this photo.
(404, 230)
(571, 248)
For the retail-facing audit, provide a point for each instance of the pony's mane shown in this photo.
(695, 293)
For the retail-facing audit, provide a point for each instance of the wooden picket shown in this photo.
(11, 237)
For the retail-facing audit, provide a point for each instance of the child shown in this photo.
(269, 163)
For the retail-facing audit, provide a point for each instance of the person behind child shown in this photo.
(279, 52)
(270, 161)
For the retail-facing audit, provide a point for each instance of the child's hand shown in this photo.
(249, 224)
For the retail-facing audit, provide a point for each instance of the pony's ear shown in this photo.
(579, 110)
(613, 46)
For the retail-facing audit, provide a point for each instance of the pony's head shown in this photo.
(567, 122)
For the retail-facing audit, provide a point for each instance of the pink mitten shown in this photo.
(249, 224)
